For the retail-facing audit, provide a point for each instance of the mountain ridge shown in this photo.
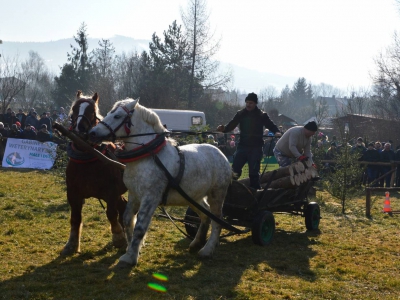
(55, 55)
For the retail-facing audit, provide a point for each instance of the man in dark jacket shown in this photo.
(387, 156)
(44, 120)
(371, 155)
(251, 121)
(28, 133)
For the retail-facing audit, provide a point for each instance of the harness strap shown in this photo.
(178, 177)
(177, 187)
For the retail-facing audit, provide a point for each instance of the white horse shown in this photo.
(206, 176)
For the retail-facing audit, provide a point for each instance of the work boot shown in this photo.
(235, 176)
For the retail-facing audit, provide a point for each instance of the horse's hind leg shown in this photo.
(73, 244)
(215, 200)
(113, 208)
(147, 208)
(201, 237)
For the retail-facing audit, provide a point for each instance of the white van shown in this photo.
(180, 120)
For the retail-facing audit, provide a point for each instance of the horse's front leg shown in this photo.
(147, 208)
(130, 213)
(74, 242)
(118, 234)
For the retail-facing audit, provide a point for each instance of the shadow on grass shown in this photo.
(91, 274)
(63, 278)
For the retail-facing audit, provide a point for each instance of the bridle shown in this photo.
(91, 123)
(126, 122)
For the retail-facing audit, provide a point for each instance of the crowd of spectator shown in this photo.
(374, 152)
(29, 125)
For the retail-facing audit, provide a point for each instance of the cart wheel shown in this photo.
(312, 216)
(192, 222)
(263, 228)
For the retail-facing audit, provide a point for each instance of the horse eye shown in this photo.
(117, 117)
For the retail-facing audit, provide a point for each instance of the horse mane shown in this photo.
(83, 98)
(149, 116)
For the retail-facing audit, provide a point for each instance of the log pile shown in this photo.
(287, 177)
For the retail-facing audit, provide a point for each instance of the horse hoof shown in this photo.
(69, 250)
(119, 241)
(123, 265)
(204, 254)
(125, 260)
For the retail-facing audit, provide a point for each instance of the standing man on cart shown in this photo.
(295, 143)
(251, 121)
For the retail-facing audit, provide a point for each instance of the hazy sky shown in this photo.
(330, 41)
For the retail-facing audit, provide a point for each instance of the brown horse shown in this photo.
(86, 176)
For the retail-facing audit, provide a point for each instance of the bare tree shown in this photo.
(12, 81)
(39, 83)
(359, 101)
(267, 94)
(387, 81)
(202, 48)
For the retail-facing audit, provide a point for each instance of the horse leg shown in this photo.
(118, 235)
(147, 208)
(74, 242)
(215, 200)
(201, 236)
(129, 219)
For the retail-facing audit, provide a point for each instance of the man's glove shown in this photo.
(302, 158)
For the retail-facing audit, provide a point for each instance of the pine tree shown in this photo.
(76, 74)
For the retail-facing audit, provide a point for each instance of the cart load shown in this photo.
(285, 190)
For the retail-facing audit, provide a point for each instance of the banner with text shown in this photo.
(29, 154)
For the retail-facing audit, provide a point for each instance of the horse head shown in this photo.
(126, 119)
(85, 114)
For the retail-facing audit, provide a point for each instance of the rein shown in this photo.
(173, 184)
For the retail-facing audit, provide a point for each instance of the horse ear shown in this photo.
(78, 94)
(95, 97)
(135, 102)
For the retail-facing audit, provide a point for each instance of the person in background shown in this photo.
(330, 155)
(295, 143)
(14, 132)
(3, 131)
(7, 118)
(21, 117)
(32, 120)
(230, 149)
(269, 145)
(28, 133)
(387, 155)
(55, 116)
(252, 121)
(44, 120)
(211, 140)
(371, 155)
(62, 115)
(397, 158)
(43, 135)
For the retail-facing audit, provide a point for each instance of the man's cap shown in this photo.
(252, 97)
(18, 123)
(270, 134)
(43, 126)
(360, 139)
(371, 144)
(28, 125)
(312, 126)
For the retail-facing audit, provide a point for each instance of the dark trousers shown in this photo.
(252, 156)
(372, 174)
(388, 177)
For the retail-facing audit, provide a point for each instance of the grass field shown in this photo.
(350, 257)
